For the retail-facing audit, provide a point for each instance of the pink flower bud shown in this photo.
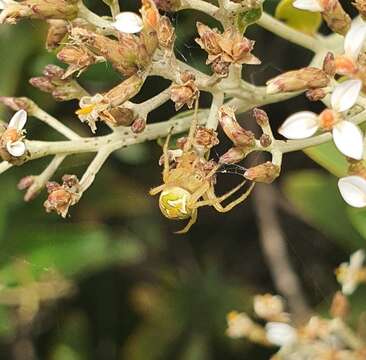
(264, 173)
(238, 135)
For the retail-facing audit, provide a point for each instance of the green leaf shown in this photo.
(358, 219)
(305, 21)
(327, 156)
(70, 250)
(317, 198)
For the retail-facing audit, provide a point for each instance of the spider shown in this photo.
(189, 181)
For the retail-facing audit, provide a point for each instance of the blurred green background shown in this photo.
(134, 289)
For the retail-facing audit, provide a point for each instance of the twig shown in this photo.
(275, 251)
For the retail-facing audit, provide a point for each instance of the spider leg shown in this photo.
(192, 129)
(166, 155)
(197, 194)
(191, 221)
(156, 190)
(217, 205)
(213, 199)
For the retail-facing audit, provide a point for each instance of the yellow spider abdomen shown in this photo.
(173, 203)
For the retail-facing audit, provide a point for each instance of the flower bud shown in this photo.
(78, 58)
(123, 116)
(54, 82)
(209, 39)
(329, 64)
(205, 139)
(184, 94)
(56, 33)
(361, 7)
(39, 9)
(297, 80)
(335, 17)
(127, 55)
(265, 140)
(315, 94)
(18, 103)
(166, 33)
(261, 117)
(168, 5)
(233, 156)
(138, 126)
(239, 136)
(264, 173)
(25, 182)
(61, 197)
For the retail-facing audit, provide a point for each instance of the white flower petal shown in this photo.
(357, 258)
(345, 95)
(128, 22)
(300, 125)
(16, 148)
(2, 4)
(280, 334)
(310, 5)
(19, 120)
(355, 39)
(353, 190)
(348, 138)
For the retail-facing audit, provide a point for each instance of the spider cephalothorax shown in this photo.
(189, 179)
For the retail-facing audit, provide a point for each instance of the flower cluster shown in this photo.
(318, 337)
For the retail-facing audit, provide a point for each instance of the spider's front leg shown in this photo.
(213, 200)
(191, 221)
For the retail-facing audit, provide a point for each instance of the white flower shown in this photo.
(239, 325)
(13, 135)
(354, 39)
(310, 5)
(128, 22)
(353, 190)
(348, 274)
(300, 125)
(347, 136)
(91, 108)
(280, 334)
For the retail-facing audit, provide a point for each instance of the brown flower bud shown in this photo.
(315, 94)
(123, 116)
(238, 135)
(127, 55)
(56, 33)
(209, 39)
(264, 173)
(78, 58)
(54, 82)
(168, 5)
(186, 76)
(220, 67)
(185, 94)
(335, 17)
(166, 33)
(340, 306)
(233, 156)
(18, 103)
(297, 80)
(329, 64)
(361, 7)
(261, 117)
(265, 140)
(39, 9)
(61, 197)
(205, 138)
(138, 126)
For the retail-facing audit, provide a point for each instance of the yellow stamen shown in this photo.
(85, 110)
